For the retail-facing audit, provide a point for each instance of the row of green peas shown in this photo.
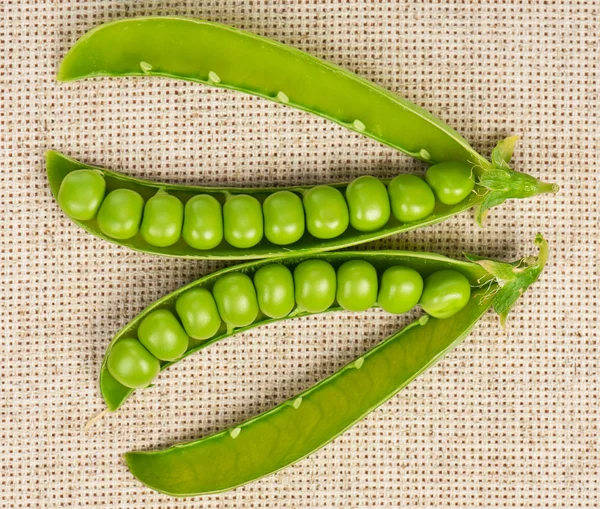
(237, 300)
(282, 218)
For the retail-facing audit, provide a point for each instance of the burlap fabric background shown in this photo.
(507, 420)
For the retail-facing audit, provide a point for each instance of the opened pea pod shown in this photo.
(222, 56)
(245, 296)
(203, 222)
(454, 295)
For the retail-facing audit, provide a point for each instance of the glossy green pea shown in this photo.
(120, 214)
(356, 285)
(275, 290)
(203, 222)
(369, 204)
(236, 299)
(131, 364)
(243, 221)
(315, 285)
(411, 198)
(81, 193)
(400, 289)
(162, 334)
(198, 313)
(445, 293)
(162, 221)
(326, 212)
(451, 182)
(284, 218)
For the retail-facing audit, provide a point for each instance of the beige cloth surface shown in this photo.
(507, 420)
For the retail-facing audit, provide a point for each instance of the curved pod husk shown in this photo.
(296, 428)
(289, 432)
(226, 57)
(58, 166)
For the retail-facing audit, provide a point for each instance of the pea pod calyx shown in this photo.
(514, 278)
(500, 182)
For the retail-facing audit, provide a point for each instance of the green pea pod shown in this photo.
(513, 279)
(226, 57)
(60, 166)
(289, 432)
(222, 56)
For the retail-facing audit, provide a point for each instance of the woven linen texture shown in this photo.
(509, 419)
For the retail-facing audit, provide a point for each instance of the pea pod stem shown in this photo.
(58, 166)
(289, 432)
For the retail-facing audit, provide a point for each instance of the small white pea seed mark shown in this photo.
(424, 154)
(358, 125)
(297, 402)
(145, 66)
(281, 97)
(213, 77)
(359, 362)
(233, 433)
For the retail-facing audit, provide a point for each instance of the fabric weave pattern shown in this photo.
(507, 420)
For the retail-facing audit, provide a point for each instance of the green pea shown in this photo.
(198, 313)
(162, 334)
(120, 214)
(400, 289)
(369, 204)
(163, 219)
(356, 285)
(242, 217)
(236, 299)
(412, 199)
(284, 218)
(131, 364)
(275, 290)
(445, 293)
(326, 212)
(451, 182)
(203, 222)
(315, 285)
(81, 193)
